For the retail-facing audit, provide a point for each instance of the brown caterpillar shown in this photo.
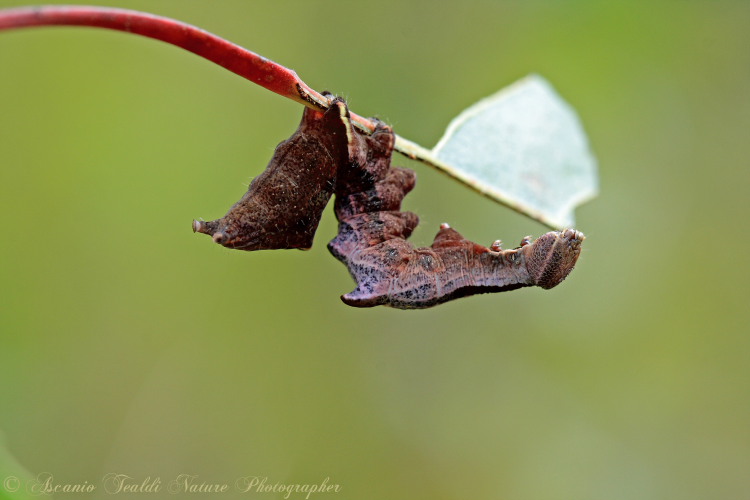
(283, 206)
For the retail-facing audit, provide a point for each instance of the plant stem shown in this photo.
(236, 59)
(243, 62)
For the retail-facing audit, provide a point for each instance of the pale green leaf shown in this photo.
(525, 147)
(13, 477)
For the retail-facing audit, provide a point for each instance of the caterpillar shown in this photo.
(283, 205)
(327, 156)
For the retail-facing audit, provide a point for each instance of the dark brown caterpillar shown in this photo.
(283, 206)
(391, 271)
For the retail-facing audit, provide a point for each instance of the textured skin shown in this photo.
(283, 206)
(390, 271)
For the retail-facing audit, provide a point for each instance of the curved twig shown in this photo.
(236, 59)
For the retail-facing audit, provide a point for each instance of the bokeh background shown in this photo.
(129, 344)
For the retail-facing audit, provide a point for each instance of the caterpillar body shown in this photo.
(327, 155)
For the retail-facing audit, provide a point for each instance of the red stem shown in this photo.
(243, 62)
(236, 59)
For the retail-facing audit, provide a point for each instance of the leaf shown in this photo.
(524, 147)
(13, 477)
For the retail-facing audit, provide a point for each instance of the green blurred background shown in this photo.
(130, 344)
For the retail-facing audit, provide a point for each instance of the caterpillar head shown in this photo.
(552, 256)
